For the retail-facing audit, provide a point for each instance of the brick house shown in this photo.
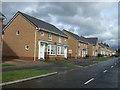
(77, 48)
(92, 46)
(106, 51)
(27, 37)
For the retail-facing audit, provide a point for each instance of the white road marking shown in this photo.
(111, 66)
(105, 71)
(89, 81)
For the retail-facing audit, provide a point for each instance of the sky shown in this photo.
(89, 19)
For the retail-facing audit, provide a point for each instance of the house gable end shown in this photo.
(14, 17)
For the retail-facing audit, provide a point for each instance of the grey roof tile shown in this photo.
(93, 40)
(75, 36)
(43, 25)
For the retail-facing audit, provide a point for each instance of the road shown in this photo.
(102, 75)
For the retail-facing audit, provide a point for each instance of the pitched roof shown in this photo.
(83, 38)
(93, 40)
(75, 36)
(102, 45)
(43, 25)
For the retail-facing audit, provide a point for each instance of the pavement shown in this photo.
(102, 75)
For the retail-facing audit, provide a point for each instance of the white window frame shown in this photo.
(41, 33)
(65, 39)
(83, 52)
(26, 47)
(18, 33)
(59, 50)
(59, 39)
(93, 53)
(49, 37)
(50, 52)
(79, 51)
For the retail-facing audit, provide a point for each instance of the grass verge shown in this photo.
(22, 74)
(105, 59)
(6, 65)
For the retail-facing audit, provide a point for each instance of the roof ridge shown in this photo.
(72, 33)
(74, 36)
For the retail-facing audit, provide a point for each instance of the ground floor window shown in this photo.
(79, 52)
(93, 53)
(84, 52)
(60, 50)
(51, 50)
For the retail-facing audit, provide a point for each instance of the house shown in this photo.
(27, 37)
(106, 50)
(102, 50)
(77, 48)
(2, 18)
(92, 46)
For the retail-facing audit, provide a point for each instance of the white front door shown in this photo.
(41, 51)
(65, 52)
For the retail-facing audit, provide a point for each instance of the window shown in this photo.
(93, 52)
(59, 39)
(79, 52)
(17, 33)
(51, 49)
(60, 50)
(49, 37)
(41, 33)
(64, 39)
(26, 47)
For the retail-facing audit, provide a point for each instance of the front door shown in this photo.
(42, 51)
(65, 52)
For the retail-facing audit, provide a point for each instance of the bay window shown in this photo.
(60, 50)
(51, 50)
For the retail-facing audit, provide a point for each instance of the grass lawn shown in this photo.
(105, 59)
(55, 61)
(22, 74)
(6, 65)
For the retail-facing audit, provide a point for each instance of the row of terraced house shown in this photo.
(29, 38)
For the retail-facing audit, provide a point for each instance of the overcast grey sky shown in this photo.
(83, 18)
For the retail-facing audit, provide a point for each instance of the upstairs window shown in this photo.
(17, 33)
(41, 33)
(59, 39)
(65, 40)
(49, 37)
